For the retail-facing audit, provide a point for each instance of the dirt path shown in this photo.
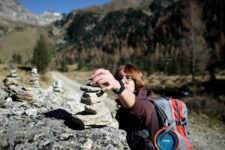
(69, 86)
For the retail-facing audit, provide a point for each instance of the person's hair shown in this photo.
(134, 72)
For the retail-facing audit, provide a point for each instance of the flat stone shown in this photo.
(90, 109)
(88, 83)
(27, 88)
(57, 89)
(58, 84)
(24, 92)
(34, 71)
(25, 98)
(13, 71)
(34, 75)
(34, 79)
(92, 98)
(13, 75)
(87, 120)
(90, 89)
(24, 95)
(11, 81)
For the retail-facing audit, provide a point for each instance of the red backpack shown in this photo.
(173, 122)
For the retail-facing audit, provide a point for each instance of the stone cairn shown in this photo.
(34, 78)
(12, 79)
(95, 113)
(57, 87)
(15, 89)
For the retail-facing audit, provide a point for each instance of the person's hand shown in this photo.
(105, 77)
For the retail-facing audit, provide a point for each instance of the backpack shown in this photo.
(173, 133)
(173, 123)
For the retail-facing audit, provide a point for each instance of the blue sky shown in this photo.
(64, 6)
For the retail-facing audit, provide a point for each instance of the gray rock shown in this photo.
(102, 118)
(8, 101)
(57, 87)
(34, 78)
(54, 134)
(89, 83)
(34, 71)
(47, 123)
(90, 109)
(90, 89)
(31, 112)
(3, 96)
(92, 98)
(10, 81)
(5, 111)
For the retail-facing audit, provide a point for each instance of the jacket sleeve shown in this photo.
(142, 109)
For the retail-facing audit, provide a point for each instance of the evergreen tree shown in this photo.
(41, 55)
(16, 58)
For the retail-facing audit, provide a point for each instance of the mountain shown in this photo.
(115, 5)
(20, 29)
(13, 10)
(156, 35)
(168, 35)
(49, 17)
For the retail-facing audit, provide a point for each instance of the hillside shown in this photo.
(169, 37)
(20, 29)
(116, 5)
(13, 10)
(22, 41)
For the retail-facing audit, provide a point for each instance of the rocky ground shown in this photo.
(206, 133)
(47, 124)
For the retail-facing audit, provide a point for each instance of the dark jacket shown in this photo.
(141, 116)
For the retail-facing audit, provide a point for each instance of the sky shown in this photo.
(62, 6)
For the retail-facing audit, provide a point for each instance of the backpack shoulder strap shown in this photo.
(158, 102)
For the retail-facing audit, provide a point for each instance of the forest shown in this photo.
(187, 37)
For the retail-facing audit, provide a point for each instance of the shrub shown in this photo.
(16, 58)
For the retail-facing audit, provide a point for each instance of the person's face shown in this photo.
(128, 82)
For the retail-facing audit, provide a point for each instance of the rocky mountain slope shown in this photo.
(20, 29)
(49, 17)
(13, 10)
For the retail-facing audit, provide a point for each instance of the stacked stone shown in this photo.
(25, 94)
(13, 74)
(95, 113)
(34, 78)
(12, 79)
(15, 89)
(57, 87)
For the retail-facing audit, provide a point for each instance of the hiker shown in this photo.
(136, 114)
